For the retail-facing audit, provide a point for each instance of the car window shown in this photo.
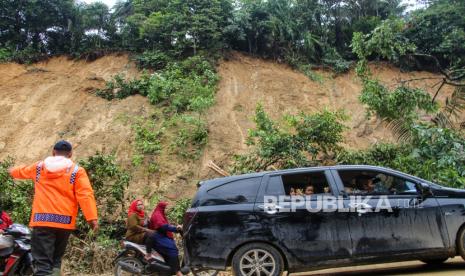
(275, 186)
(360, 182)
(239, 191)
(311, 183)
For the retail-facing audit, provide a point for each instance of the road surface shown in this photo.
(453, 267)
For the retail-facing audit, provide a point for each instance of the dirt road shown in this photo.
(453, 267)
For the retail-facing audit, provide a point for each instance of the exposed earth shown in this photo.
(47, 101)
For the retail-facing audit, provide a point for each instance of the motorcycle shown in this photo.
(15, 251)
(131, 261)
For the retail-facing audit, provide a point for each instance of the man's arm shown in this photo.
(86, 199)
(23, 172)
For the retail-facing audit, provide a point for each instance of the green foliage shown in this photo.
(322, 131)
(312, 136)
(16, 198)
(186, 85)
(191, 138)
(153, 60)
(285, 30)
(119, 88)
(147, 140)
(385, 41)
(435, 154)
(176, 213)
(402, 103)
(109, 182)
(5, 54)
(439, 30)
(147, 143)
(335, 61)
(311, 74)
(192, 25)
(366, 24)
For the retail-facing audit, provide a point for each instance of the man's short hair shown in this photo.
(63, 146)
(362, 180)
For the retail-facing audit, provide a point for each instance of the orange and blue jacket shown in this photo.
(58, 191)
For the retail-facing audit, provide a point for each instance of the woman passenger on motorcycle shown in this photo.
(163, 239)
(136, 232)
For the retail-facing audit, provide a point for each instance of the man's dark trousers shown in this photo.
(48, 246)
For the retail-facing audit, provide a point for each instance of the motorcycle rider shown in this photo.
(60, 187)
(164, 239)
(5, 220)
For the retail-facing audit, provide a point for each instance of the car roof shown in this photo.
(222, 180)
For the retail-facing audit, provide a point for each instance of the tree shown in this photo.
(439, 30)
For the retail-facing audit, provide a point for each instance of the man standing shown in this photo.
(60, 186)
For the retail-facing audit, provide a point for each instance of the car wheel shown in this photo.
(257, 259)
(434, 261)
(461, 242)
(128, 266)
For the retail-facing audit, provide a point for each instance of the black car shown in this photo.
(232, 221)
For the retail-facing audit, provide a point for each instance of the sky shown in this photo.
(109, 3)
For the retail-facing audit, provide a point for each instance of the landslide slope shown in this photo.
(51, 100)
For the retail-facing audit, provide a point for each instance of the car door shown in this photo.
(393, 221)
(224, 219)
(312, 238)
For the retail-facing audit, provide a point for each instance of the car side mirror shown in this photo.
(425, 190)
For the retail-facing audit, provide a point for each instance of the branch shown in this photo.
(417, 79)
(453, 83)
(436, 61)
(444, 72)
(439, 89)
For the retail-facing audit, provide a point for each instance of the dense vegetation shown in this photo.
(299, 32)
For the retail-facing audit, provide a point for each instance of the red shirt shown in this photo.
(6, 221)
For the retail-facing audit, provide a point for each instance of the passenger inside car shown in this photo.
(366, 183)
(309, 190)
(305, 184)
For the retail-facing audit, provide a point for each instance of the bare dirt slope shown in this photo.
(44, 102)
(247, 81)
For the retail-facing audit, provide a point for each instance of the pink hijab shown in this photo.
(158, 218)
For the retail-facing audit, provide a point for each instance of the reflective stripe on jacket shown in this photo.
(58, 192)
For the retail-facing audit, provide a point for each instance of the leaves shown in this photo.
(313, 136)
(433, 153)
(108, 180)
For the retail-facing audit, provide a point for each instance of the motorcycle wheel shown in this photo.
(132, 262)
